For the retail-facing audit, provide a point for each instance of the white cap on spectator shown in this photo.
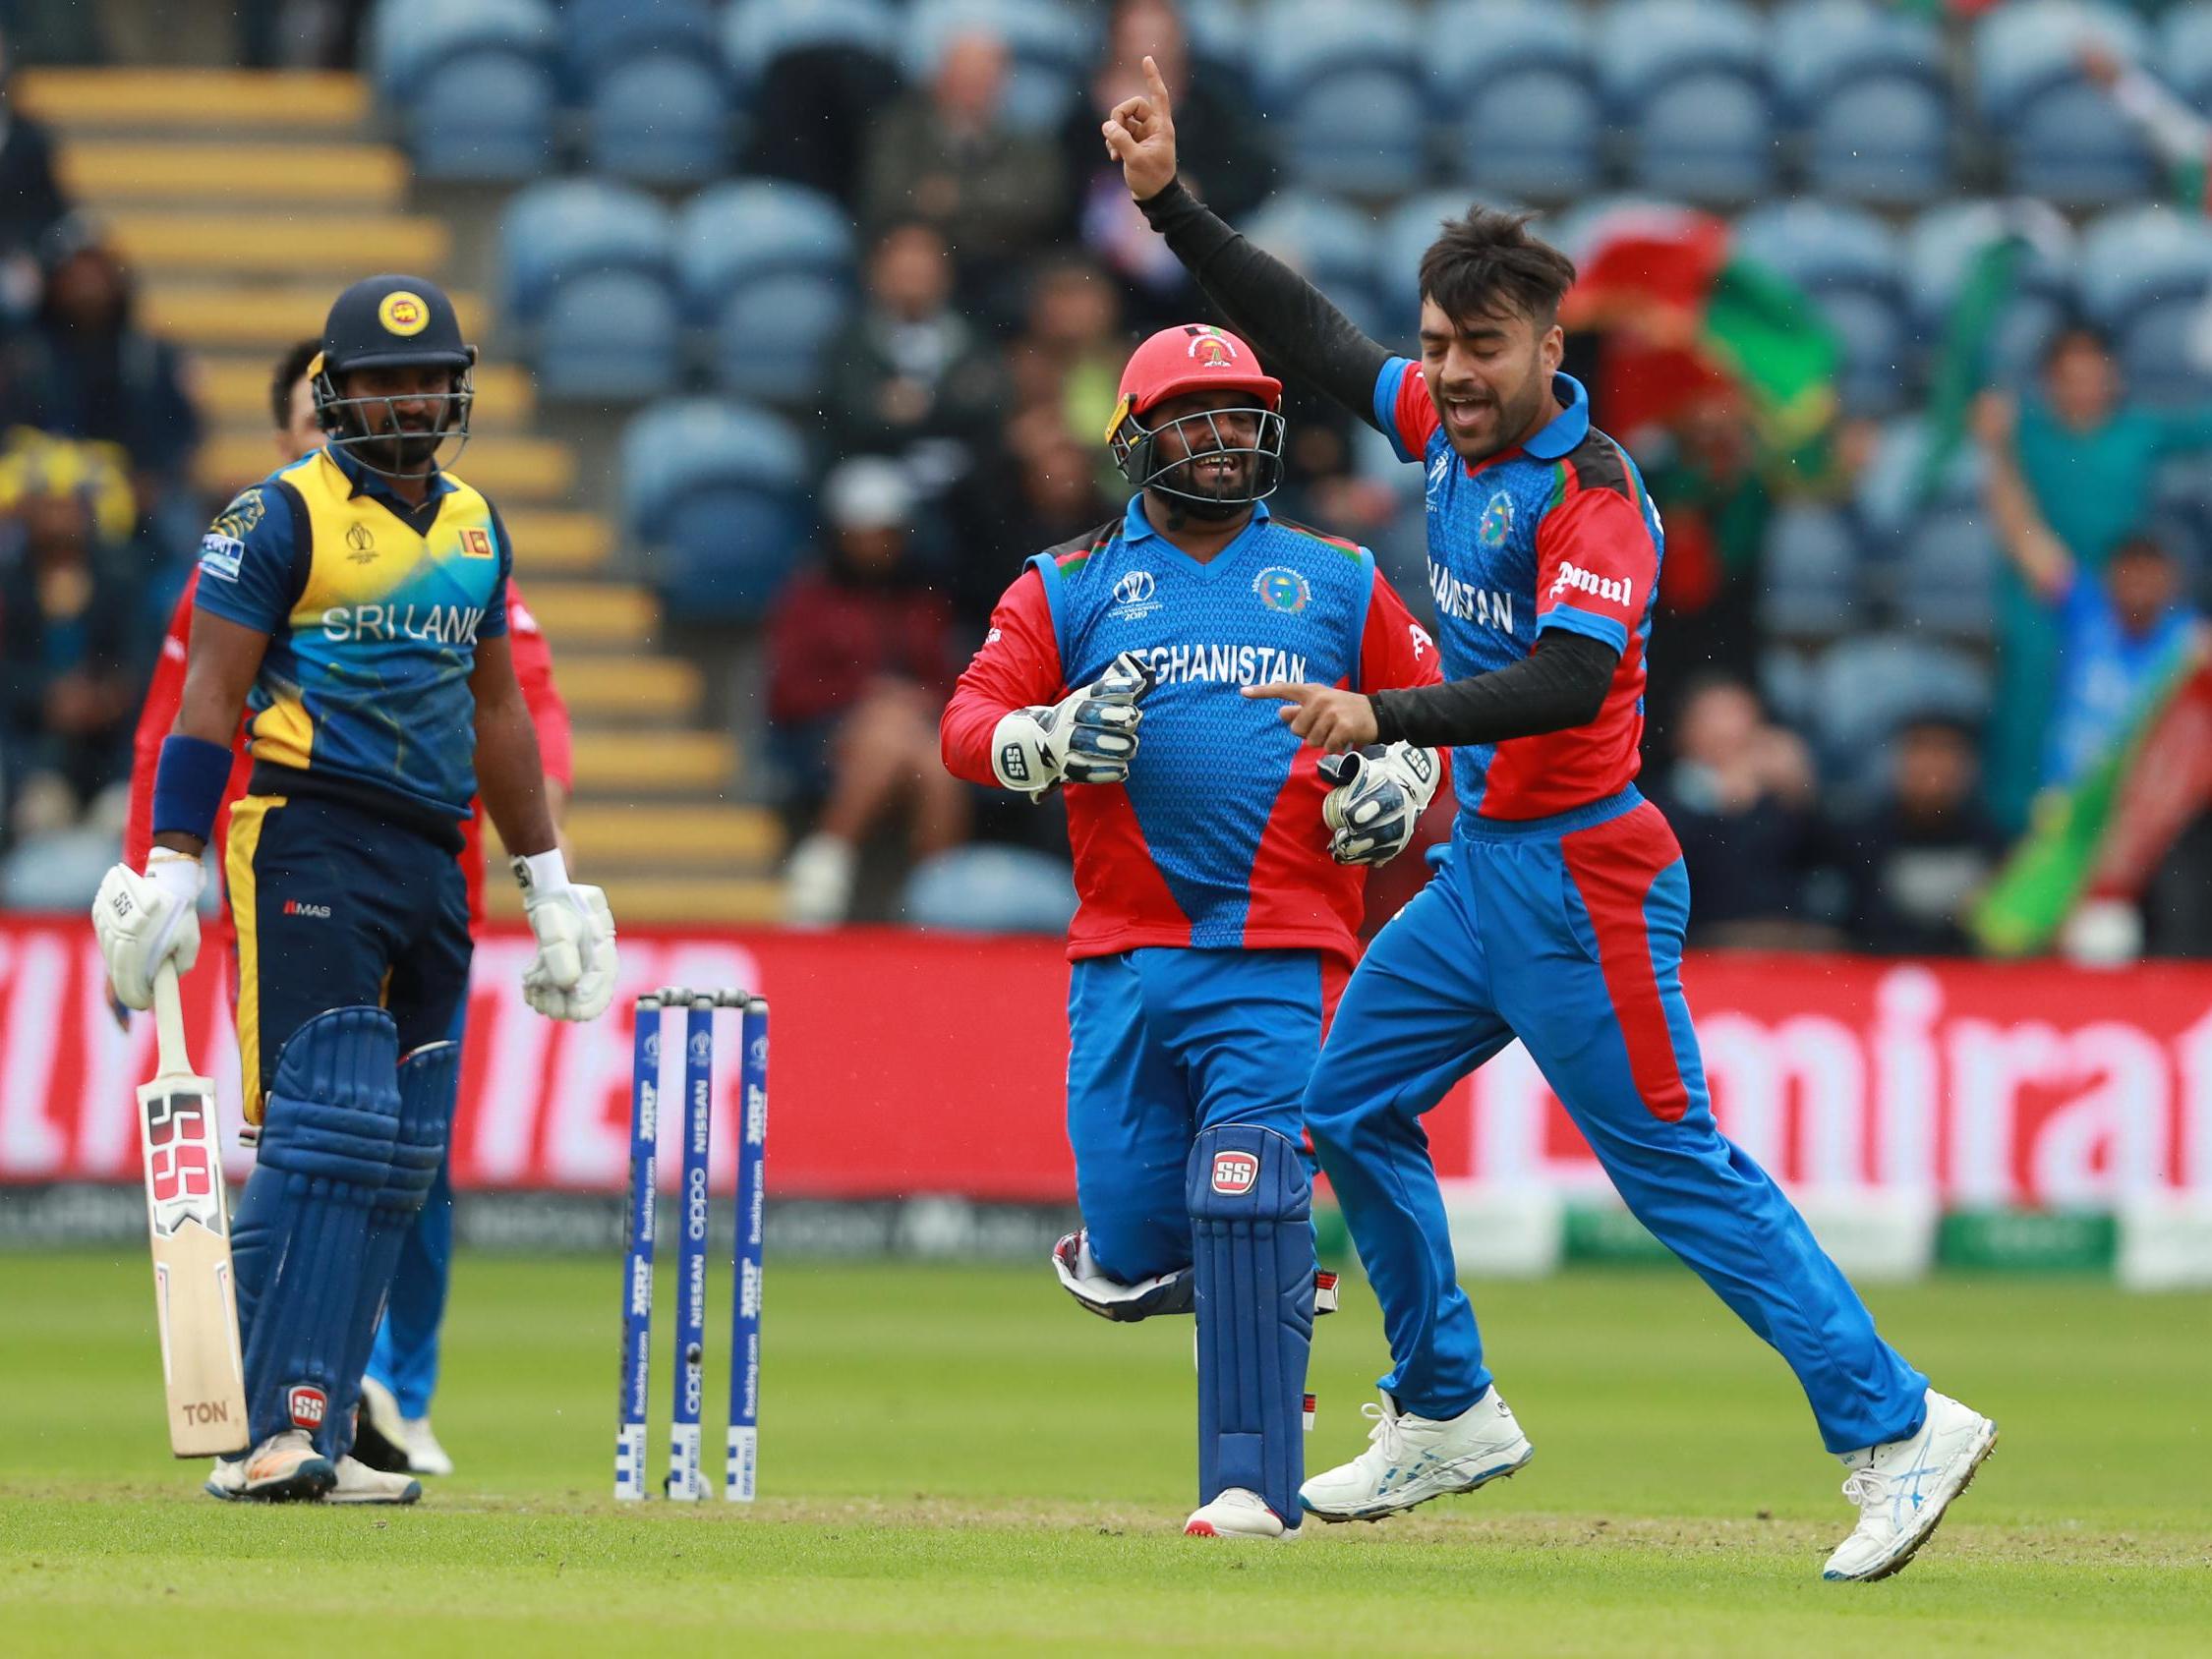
(868, 493)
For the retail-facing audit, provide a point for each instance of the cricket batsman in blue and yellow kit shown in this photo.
(355, 603)
(1557, 910)
(1219, 865)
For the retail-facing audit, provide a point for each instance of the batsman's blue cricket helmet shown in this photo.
(391, 321)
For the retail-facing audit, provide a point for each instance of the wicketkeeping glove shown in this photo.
(1380, 794)
(1090, 736)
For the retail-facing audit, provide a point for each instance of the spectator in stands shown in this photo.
(948, 156)
(810, 118)
(2070, 479)
(1215, 122)
(1916, 864)
(32, 202)
(70, 663)
(1070, 354)
(1739, 793)
(913, 379)
(93, 372)
(1040, 490)
(861, 658)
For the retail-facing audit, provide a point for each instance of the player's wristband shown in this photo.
(188, 785)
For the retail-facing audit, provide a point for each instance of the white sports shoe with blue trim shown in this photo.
(1903, 1486)
(1411, 1460)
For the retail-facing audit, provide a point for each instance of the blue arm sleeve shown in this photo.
(253, 560)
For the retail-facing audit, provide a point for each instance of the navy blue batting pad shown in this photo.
(1251, 1206)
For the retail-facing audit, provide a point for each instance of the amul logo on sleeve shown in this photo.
(1573, 579)
(1234, 1173)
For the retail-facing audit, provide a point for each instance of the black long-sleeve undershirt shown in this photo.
(1291, 323)
(1559, 685)
(1300, 334)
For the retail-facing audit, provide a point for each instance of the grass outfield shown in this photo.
(956, 1460)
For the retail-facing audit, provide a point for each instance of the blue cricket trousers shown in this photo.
(1566, 931)
(1163, 1043)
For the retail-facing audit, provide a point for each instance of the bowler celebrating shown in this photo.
(1557, 911)
(356, 601)
(1219, 876)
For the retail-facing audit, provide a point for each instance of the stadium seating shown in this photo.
(587, 277)
(474, 84)
(1344, 81)
(1814, 586)
(2184, 56)
(1946, 576)
(756, 32)
(1940, 252)
(767, 266)
(716, 493)
(987, 889)
(2146, 278)
(1051, 45)
(2058, 135)
(1332, 245)
(1849, 262)
(1688, 80)
(1512, 84)
(1867, 91)
(1865, 687)
(656, 100)
(1406, 235)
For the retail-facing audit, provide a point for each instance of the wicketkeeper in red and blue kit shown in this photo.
(1557, 910)
(1219, 865)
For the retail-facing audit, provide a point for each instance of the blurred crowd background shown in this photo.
(1905, 310)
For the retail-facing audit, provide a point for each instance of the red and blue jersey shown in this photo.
(1216, 841)
(1557, 532)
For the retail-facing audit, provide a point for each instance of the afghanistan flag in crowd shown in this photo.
(2104, 838)
(1683, 312)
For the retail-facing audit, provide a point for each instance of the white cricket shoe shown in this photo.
(1411, 1460)
(358, 1483)
(818, 881)
(1239, 1513)
(1903, 1486)
(283, 1468)
(423, 1453)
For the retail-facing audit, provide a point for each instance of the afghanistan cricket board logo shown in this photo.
(1498, 521)
(1282, 588)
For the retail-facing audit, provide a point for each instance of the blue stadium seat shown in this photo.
(2059, 135)
(1849, 263)
(756, 32)
(1946, 578)
(585, 274)
(1812, 585)
(660, 118)
(769, 267)
(1688, 79)
(406, 39)
(1942, 250)
(1407, 232)
(483, 117)
(1867, 686)
(987, 889)
(2146, 280)
(1346, 83)
(1051, 45)
(602, 35)
(1332, 246)
(1868, 90)
(1891, 492)
(717, 492)
(1513, 84)
(2184, 56)
(1219, 32)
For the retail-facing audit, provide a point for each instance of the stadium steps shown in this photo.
(244, 200)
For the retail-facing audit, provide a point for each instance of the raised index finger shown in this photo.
(1154, 84)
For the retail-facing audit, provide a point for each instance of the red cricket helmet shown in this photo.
(1196, 357)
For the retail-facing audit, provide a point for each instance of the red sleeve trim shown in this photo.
(1019, 664)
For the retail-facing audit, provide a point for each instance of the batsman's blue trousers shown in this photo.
(1162, 1043)
(405, 1358)
(1566, 931)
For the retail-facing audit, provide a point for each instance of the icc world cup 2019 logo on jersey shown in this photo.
(1282, 588)
(1498, 521)
(1136, 595)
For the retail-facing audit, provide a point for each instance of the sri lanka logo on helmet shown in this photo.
(379, 326)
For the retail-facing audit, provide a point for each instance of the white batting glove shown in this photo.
(145, 921)
(572, 974)
(1090, 736)
(1380, 794)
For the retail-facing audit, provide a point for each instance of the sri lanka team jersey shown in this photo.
(1555, 533)
(1216, 841)
(373, 610)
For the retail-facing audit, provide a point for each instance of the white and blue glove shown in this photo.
(1379, 794)
(1090, 736)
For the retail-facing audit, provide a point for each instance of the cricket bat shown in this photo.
(193, 1297)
